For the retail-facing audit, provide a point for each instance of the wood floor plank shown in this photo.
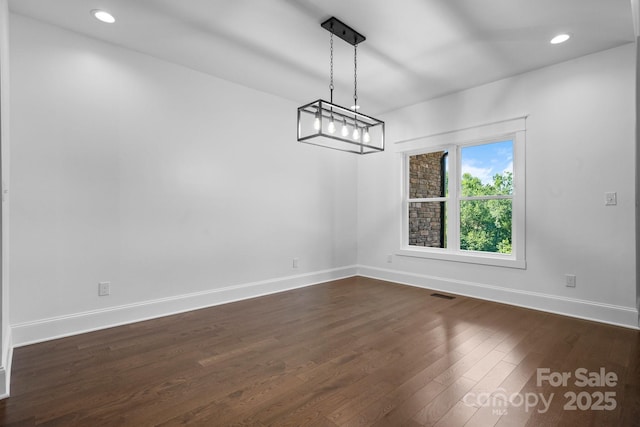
(470, 360)
(457, 416)
(403, 411)
(485, 416)
(445, 401)
(353, 352)
(479, 395)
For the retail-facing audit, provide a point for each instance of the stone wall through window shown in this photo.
(426, 219)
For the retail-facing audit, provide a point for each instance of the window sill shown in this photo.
(463, 256)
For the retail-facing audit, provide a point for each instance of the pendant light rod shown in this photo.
(342, 30)
(331, 68)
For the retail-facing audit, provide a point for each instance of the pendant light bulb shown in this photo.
(316, 121)
(365, 136)
(356, 133)
(345, 129)
(332, 126)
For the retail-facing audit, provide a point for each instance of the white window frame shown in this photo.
(453, 142)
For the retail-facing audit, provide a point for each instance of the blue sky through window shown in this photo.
(486, 160)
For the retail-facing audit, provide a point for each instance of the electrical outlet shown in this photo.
(390, 258)
(611, 199)
(570, 280)
(104, 289)
(296, 262)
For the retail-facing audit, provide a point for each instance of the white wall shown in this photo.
(163, 180)
(580, 143)
(5, 330)
(185, 190)
(635, 12)
(637, 156)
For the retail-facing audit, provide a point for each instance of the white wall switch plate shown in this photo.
(104, 289)
(610, 198)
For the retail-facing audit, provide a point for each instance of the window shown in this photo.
(486, 197)
(465, 201)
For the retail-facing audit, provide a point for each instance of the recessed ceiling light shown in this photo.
(560, 38)
(103, 16)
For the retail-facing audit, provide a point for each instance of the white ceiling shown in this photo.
(415, 49)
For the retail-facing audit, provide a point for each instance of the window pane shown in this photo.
(485, 225)
(427, 175)
(487, 169)
(427, 224)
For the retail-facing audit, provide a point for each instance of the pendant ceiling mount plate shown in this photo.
(342, 30)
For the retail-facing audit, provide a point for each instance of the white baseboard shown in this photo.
(588, 310)
(5, 375)
(5, 370)
(62, 326)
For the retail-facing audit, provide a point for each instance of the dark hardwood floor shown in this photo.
(354, 352)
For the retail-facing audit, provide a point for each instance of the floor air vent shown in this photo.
(442, 296)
